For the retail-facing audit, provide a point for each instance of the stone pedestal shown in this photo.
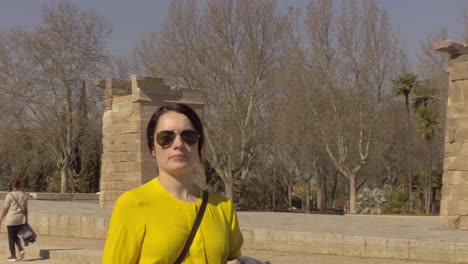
(128, 106)
(454, 203)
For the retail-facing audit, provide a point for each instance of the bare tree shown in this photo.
(44, 68)
(351, 61)
(230, 51)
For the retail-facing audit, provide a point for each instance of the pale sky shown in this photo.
(130, 19)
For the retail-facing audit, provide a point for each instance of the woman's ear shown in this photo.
(153, 153)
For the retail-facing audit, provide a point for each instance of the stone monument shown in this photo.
(454, 203)
(128, 106)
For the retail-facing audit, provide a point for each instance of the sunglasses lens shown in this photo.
(190, 136)
(164, 138)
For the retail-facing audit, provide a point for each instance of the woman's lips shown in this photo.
(178, 157)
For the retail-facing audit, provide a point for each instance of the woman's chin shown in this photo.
(180, 168)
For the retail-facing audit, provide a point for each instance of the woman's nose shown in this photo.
(178, 142)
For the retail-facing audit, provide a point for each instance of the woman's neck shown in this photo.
(182, 187)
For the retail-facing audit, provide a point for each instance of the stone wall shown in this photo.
(454, 203)
(128, 106)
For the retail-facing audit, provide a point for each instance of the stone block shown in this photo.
(458, 191)
(278, 235)
(75, 225)
(456, 122)
(449, 222)
(248, 234)
(458, 59)
(129, 147)
(354, 246)
(261, 234)
(459, 71)
(130, 168)
(456, 164)
(59, 225)
(132, 177)
(52, 196)
(455, 149)
(398, 248)
(107, 119)
(122, 114)
(453, 48)
(449, 206)
(451, 177)
(303, 247)
(461, 134)
(464, 222)
(461, 252)
(276, 245)
(108, 104)
(432, 251)
(267, 245)
(332, 244)
(295, 236)
(85, 196)
(125, 128)
(463, 177)
(455, 96)
(43, 226)
(129, 157)
(463, 207)
(375, 247)
(420, 250)
(101, 225)
(121, 100)
(87, 226)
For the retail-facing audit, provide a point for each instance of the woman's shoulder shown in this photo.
(219, 200)
(135, 195)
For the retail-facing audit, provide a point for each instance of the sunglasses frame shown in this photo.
(174, 135)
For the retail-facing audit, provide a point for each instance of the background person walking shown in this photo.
(15, 208)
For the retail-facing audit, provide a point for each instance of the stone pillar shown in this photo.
(128, 106)
(454, 203)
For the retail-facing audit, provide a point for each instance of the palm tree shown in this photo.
(404, 86)
(427, 126)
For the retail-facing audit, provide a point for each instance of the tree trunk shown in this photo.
(289, 196)
(273, 193)
(410, 169)
(333, 189)
(273, 200)
(64, 177)
(322, 193)
(229, 188)
(319, 197)
(352, 194)
(428, 178)
(307, 202)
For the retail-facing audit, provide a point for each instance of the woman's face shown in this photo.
(177, 157)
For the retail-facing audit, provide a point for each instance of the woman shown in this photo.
(151, 223)
(15, 208)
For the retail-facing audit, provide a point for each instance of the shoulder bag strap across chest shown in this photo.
(196, 224)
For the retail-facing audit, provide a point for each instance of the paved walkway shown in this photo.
(404, 227)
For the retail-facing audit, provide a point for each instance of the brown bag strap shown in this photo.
(196, 224)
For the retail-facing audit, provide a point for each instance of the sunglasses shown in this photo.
(166, 137)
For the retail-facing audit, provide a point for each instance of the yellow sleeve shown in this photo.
(126, 232)
(236, 239)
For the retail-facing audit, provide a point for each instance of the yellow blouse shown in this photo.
(149, 225)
